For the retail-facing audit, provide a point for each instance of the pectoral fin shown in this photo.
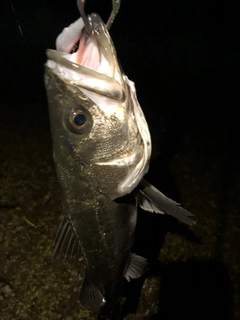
(136, 268)
(147, 205)
(151, 199)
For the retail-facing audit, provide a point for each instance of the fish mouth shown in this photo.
(94, 65)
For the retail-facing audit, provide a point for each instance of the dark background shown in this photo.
(184, 60)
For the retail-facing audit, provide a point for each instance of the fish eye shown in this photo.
(78, 121)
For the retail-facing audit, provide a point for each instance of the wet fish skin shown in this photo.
(97, 165)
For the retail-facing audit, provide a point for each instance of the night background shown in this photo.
(184, 60)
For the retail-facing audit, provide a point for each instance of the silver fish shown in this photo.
(101, 148)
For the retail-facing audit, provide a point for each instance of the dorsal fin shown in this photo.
(65, 244)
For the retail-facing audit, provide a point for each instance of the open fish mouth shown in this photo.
(93, 66)
(94, 51)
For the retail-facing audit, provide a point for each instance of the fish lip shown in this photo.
(85, 78)
(60, 58)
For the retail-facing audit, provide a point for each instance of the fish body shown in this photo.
(101, 149)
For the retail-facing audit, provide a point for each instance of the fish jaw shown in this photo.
(93, 62)
(113, 155)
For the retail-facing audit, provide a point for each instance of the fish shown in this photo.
(102, 150)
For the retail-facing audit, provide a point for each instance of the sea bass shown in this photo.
(101, 148)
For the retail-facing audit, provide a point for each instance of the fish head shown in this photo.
(101, 140)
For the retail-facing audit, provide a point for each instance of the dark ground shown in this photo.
(184, 60)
